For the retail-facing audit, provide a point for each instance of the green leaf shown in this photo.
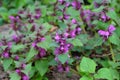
(71, 11)
(7, 63)
(14, 76)
(86, 78)
(42, 66)
(63, 58)
(113, 15)
(20, 3)
(31, 53)
(17, 47)
(43, 10)
(44, 44)
(106, 73)
(99, 9)
(100, 24)
(46, 28)
(114, 39)
(83, 38)
(76, 42)
(62, 25)
(27, 69)
(97, 41)
(87, 65)
(49, 1)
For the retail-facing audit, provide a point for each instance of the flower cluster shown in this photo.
(29, 30)
(106, 33)
(20, 73)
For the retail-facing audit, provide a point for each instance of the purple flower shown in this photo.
(14, 19)
(67, 4)
(60, 68)
(21, 12)
(60, 18)
(111, 28)
(64, 49)
(42, 52)
(18, 71)
(66, 17)
(9, 44)
(38, 11)
(34, 44)
(15, 38)
(96, 5)
(104, 17)
(103, 33)
(6, 55)
(23, 65)
(74, 21)
(107, 33)
(67, 68)
(57, 51)
(1, 44)
(76, 4)
(25, 77)
(56, 59)
(30, 20)
(57, 37)
(40, 38)
(62, 42)
(72, 33)
(78, 30)
(61, 1)
(37, 16)
(16, 58)
(66, 35)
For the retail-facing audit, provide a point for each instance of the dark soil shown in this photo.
(54, 75)
(3, 75)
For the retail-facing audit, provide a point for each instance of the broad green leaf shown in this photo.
(71, 11)
(46, 44)
(62, 25)
(27, 69)
(31, 53)
(48, 1)
(83, 38)
(106, 73)
(100, 24)
(14, 76)
(42, 66)
(7, 63)
(17, 47)
(87, 65)
(43, 10)
(20, 3)
(76, 42)
(46, 28)
(86, 78)
(63, 58)
(98, 1)
(117, 31)
(114, 39)
(97, 41)
(1, 21)
(99, 9)
(113, 15)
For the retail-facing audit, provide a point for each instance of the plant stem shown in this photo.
(112, 53)
(74, 71)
